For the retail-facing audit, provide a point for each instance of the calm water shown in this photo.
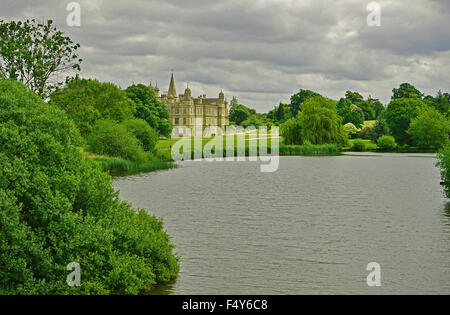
(310, 228)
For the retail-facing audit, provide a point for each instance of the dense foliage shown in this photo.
(57, 207)
(349, 113)
(291, 131)
(387, 143)
(298, 99)
(398, 117)
(34, 53)
(444, 164)
(430, 129)
(150, 109)
(146, 135)
(320, 122)
(113, 139)
(86, 101)
(238, 114)
(358, 145)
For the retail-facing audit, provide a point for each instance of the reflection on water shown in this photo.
(309, 228)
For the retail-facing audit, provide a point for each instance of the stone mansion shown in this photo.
(191, 116)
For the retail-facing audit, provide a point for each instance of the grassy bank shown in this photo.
(165, 147)
(119, 167)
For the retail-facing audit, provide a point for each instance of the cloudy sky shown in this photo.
(261, 51)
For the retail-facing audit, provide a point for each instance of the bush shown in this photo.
(359, 145)
(387, 143)
(112, 139)
(56, 207)
(86, 101)
(146, 135)
(444, 164)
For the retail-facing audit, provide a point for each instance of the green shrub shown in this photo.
(359, 145)
(112, 139)
(444, 164)
(387, 143)
(86, 101)
(146, 135)
(57, 207)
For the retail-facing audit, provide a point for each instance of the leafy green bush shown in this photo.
(387, 143)
(359, 145)
(86, 101)
(112, 139)
(146, 135)
(444, 164)
(57, 207)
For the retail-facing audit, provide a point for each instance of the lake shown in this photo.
(312, 227)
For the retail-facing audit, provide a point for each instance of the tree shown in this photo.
(58, 207)
(441, 102)
(399, 114)
(234, 102)
(406, 90)
(349, 114)
(298, 99)
(430, 129)
(239, 114)
(378, 107)
(35, 53)
(444, 164)
(379, 129)
(150, 109)
(291, 131)
(321, 123)
(354, 97)
(87, 101)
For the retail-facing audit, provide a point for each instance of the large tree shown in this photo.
(321, 123)
(298, 99)
(430, 129)
(239, 114)
(349, 113)
(406, 90)
(36, 54)
(150, 109)
(399, 114)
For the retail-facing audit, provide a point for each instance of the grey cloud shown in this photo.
(261, 51)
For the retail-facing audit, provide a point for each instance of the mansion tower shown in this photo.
(191, 116)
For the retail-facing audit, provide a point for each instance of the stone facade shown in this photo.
(194, 116)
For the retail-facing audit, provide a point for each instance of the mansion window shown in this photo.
(184, 120)
(177, 121)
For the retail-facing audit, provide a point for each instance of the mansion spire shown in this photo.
(172, 89)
